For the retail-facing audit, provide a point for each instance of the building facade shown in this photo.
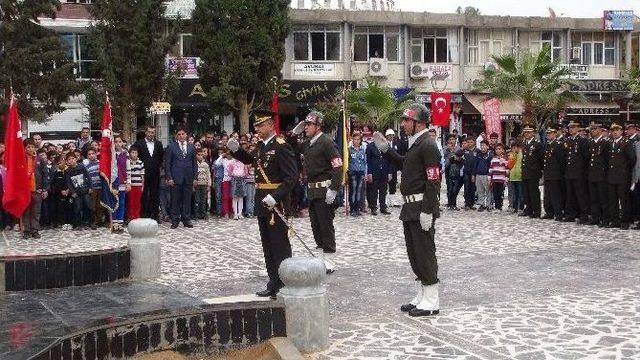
(331, 46)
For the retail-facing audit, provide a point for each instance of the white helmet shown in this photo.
(389, 132)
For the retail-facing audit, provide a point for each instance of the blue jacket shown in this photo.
(483, 162)
(357, 159)
(182, 169)
(376, 165)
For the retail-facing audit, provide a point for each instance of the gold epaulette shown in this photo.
(281, 140)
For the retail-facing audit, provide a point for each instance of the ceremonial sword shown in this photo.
(289, 226)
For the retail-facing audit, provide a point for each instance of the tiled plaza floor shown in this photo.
(511, 287)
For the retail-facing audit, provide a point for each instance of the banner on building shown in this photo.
(491, 114)
(440, 108)
(187, 67)
(314, 69)
(618, 20)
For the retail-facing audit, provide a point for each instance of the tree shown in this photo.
(376, 105)
(33, 60)
(633, 82)
(541, 85)
(130, 40)
(241, 45)
(468, 10)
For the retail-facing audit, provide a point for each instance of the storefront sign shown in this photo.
(511, 117)
(314, 69)
(159, 108)
(311, 91)
(600, 86)
(578, 71)
(440, 72)
(186, 66)
(594, 111)
(491, 114)
(617, 20)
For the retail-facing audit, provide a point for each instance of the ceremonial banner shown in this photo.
(275, 109)
(440, 108)
(491, 114)
(17, 194)
(109, 196)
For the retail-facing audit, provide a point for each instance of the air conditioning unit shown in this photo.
(418, 71)
(490, 66)
(576, 52)
(378, 67)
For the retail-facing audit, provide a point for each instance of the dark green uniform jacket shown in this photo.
(322, 162)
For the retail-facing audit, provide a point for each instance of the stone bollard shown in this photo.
(145, 249)
(305, 301)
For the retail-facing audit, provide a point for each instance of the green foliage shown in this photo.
(241, 44)
(33, 60)
(130, 40)
(633, 82)
(468, 10)
(541, 85)
(376, 105)
(331, 107)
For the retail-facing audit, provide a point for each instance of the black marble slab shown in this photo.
(119, 320)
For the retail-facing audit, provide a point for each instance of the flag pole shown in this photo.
(345, 136)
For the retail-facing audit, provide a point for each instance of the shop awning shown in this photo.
(593, 108)
(510, 109)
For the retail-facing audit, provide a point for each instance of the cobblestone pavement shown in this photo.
(511, 287)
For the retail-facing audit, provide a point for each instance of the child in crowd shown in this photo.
(202, 186)
(225, 160)
(498, 173)
(357, 169)
(38, 183)
(60, 196)
(481, 175)
(119, 178)
(237, 171)
(135, 183)
(514, 165)
(250, 186)
(218, 174)
(453, 177)
(92, 165)
(79, 185)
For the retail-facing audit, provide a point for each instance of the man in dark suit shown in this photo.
(577, 149)
(597, 176)
(150, 151)
(532, 162)
(181, 170)
(554, 163)
(622, 158)
(377, 180)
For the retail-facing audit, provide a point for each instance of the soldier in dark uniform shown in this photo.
(554, 163)
(577, 148)
(634, 137)
(597, 176)
(420, 189)
(532, 162)
(276, 176)
(323, 167)
(622, 158)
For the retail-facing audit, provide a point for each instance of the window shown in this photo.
(483, 44)
(553, 39)
(434, 45)
(79, 51)
(187, 49)
(317, 43)
(598, 48)
(376, 42)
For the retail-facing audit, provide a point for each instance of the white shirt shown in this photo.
(598, 139)
(315, 138)
(266, 142)
(415, 137)
(150, 146)
(183, 147)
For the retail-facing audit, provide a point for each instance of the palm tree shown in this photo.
(542, 85)
(376, 105)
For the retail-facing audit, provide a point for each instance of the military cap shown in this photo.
(416, 112)
(574, 123)
(552, 129)
(314, 117)
(528, 128)
(595, 125)
(616, 125)
(262, 116)
(631, 125)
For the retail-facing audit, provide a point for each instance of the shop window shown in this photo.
(376, 42)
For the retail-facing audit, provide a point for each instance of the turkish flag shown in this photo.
(440, 108)
(108, 195)
(17, 194)
(275, 109)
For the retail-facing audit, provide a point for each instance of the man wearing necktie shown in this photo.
(276, 176)
(181, 169)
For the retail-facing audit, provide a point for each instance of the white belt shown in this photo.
(413, 198)
(320, 184)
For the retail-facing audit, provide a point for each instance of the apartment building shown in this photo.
(330, 48)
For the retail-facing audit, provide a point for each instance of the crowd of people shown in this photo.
(589, 175)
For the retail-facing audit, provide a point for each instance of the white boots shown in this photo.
(416, 299)
(429, 303)
(328, 259)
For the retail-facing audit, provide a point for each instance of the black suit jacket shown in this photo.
(152, 163)
(532, 160)
(554, 161)
(622, 158)
(599, 159)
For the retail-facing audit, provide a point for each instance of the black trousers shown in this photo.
(553, 198)
(497, 189)
(421, 249)
(635, 202)
(393, 183)
(619, 205)
(598, 196)
(181, 203)
(469, 190)
(321, 215)
(275, 246)
(151, 197)
(531, 196)
(377, 191)
(577, 199)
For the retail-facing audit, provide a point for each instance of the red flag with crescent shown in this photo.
(440, 108)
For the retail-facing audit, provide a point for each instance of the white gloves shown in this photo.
(633, 186)
(269, 201)
(233, 145)
(381, 142)
(425, 222)
(298, 129)
(331, 196)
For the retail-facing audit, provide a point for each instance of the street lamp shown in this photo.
(628, 97)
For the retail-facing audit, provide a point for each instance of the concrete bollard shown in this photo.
(305, 301)
(145, 249)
